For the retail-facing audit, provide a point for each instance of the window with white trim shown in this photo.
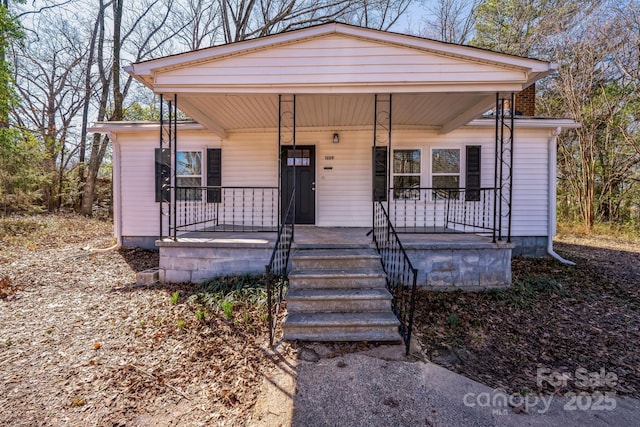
(445, 172)
(189, 175)
(406, 174)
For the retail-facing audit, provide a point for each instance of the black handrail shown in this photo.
(277, 269)
(401, 275)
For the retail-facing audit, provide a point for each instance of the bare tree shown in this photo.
(142, 35)
(598, 163)
(378, 14)
(201, 22)
(451, 21)
(46, 75)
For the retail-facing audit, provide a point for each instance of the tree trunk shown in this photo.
(99, 146)
(98, 149)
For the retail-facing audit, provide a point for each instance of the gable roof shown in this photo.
(331, 59)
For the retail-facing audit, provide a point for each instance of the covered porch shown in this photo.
(333, 119)
(333, 141)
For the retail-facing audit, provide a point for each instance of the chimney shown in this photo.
(526, 101)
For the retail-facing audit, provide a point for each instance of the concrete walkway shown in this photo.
(381, 387)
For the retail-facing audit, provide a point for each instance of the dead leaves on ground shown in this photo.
(82, 345)
(7, 289)
(555, 316)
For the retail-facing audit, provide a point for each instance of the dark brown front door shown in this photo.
(304, 159)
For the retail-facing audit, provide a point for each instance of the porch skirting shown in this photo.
(457, 262)
(445, 261)
(195, 260)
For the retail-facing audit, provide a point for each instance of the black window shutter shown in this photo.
(163, 174)
(473, 174)
(380, 174)
(214, 174)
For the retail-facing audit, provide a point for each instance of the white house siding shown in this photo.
(337, 59)
(531, 183)
(343, 172)
(250, 160)
(140, 214)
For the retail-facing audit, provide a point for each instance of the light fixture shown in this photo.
(336, 138)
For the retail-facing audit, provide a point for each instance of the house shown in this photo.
(356, 139)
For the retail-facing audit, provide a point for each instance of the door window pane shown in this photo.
(299, 157)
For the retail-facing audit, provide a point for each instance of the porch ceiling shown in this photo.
(224, 113)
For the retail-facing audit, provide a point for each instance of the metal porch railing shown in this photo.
(442, 210)
(235, 209)
(277, 270)
(401, 275)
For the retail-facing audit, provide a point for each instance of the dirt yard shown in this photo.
(81, 344)
(555, 317)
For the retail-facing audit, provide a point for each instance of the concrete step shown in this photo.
(338, 279)
(371, 326)
(335, 259)
(338, 300)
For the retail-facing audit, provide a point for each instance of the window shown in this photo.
(298, 157)
(189, 175)
(406, 174)
(445, 172)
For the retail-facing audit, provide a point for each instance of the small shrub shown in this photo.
(175, 297)
(200, 314)
(453, 320)
(181, 323)
(227, 308)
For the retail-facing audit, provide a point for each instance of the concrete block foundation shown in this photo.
(195, 261)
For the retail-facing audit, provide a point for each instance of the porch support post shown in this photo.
(382, 112)
(167, 161)
(159, 160)
(173, 117)
(503, 172)
(286, 136)
(512, 129)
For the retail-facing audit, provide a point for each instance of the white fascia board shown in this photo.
(528, 122)
(138, 127)
(333, 88)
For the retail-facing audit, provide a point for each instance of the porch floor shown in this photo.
(307, 236)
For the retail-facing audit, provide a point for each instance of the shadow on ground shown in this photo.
(346, 384)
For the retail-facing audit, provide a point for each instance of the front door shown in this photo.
(304, 159)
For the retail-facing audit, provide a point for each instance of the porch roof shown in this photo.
(337, 68)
